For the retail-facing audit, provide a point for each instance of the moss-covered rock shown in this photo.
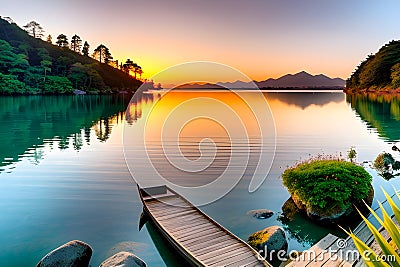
(328, 189)
(271, 239)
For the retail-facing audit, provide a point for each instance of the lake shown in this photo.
(63, 172)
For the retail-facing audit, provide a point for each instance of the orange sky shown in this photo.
(261, 38)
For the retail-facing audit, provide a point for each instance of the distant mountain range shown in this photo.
(301, 80)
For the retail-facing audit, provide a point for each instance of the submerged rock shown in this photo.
(123, 259)
(261, 213)
(73, 253)
(271, 239)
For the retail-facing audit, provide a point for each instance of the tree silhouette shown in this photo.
(127, 66)
(9, 20)
(34, 29)
(62, 40)
(76, 43)
(102, 54)
(49, 39)
(138, 70)
(85, 49)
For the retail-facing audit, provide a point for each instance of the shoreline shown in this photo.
(383, 91)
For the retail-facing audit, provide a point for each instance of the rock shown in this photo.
(123, 259)
(272, 238)
(329, 215)
(289, 209)
(297, 201)
(395, 148)
(261, 213)
(127, 246)
(370, 197)
(74, 253)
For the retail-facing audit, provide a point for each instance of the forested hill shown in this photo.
(379, 72)
(29, 65)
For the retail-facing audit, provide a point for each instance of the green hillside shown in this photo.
(379, 72)
(30, 65)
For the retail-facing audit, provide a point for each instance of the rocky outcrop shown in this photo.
(261, 213)
(271, 239)
(74, 253)
(123, 259)
(330, 214)
(289, 209)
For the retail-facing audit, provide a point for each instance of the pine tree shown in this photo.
(102, 54)
(62, 40)
(76, 43)
(85, 49)
(34, 29)
(49, 39)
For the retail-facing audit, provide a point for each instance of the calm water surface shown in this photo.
(63, 174)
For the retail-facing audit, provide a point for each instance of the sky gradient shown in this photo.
(261, 38)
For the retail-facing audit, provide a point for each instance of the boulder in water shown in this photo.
(261, 213)
(123, 259)
(73, 253)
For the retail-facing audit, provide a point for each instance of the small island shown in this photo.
(326, 188)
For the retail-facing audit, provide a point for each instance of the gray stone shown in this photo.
(272, 238)
(123, 259)
(127, 246)
(74, 253)
(261, 213)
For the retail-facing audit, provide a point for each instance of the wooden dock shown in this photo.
(197, 237)
(332, 251)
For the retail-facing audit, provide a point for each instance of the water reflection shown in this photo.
(139, 100)
(381, 112)
(166, 251)
(296, 116)
(28, 123)
(304, 232)
(306, 99)
(199, 140)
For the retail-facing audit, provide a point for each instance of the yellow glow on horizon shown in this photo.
(258, 65)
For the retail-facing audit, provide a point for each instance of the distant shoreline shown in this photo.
(383, 91)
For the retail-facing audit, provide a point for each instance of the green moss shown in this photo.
(258, 238)
(327, 184)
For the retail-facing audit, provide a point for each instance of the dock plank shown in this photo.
(196, 247)
(193, 229)
(216, 247)
(206, 232)
(235, 257)
(196, 236)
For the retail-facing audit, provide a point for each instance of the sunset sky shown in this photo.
(261, 38)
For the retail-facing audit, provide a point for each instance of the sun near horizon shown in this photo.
(262, 39)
